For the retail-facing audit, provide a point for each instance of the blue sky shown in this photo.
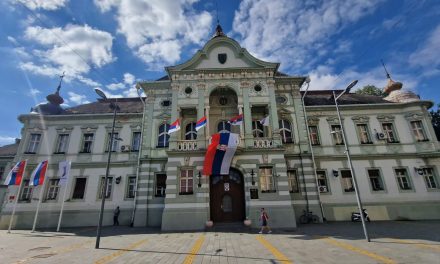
(111, 44)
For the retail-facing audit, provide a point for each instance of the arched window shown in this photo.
(224, 127)
(163, 138)
(285, 131)
(190, 131)
(257, 129)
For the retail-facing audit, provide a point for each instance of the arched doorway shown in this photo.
(227, 197)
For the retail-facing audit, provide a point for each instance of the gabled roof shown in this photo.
(325, 97)
(9, 150)
(126, 105)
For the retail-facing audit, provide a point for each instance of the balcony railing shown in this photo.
(184, 145)
(263, 143)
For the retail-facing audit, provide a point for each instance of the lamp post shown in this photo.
(138, 167)
(347, 152)
(115, 108)
(311, 147)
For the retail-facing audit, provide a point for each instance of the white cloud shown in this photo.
(116, 86)
(43, 4)
(77, 98)
(34, 92)
(5, 140)
(296, 32)
(427, 55)
(129, 78)
(158, 31)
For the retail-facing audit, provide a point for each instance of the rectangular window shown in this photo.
(266, 179)
(417, 129)
(136, 141)
(34, 141)
(62, 143)
(403, 179)
(322, 181)
(131, 187)
(161, 185)
(52, 189)
(375, 180)
(115, 143)
(430, 179)
(364, 136)
(26, 192)
(108, 192)
(388, 130)
(292, 179)
(2, 171)
(80, 188)
(337, 134)
(87, 143)
(186, 181)
(347, 181)
(314, 136)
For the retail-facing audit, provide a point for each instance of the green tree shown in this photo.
(436, 121)
(371, 90)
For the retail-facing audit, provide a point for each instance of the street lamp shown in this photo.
(311, 148)
(139, 157)
(347, 152)
(115, 108)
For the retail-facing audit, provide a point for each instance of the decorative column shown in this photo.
(273, 114)
(149, 126)
(240, 111)
(247, 116)
(201, 142)
(174, 115)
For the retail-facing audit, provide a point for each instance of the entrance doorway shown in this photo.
(227, 197)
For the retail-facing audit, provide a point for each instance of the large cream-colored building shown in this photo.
(391, 140)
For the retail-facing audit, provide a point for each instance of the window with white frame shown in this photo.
(87, 143)
(292, 180)
(131, 187)
(266, 179)
(80, 188)
(347, 181)
(388, 130)
(322, 181)
(224, 127)
(136, 141)
(109, 187)
(190, 131)
(115, 142)
(285, 131)
(430, 178)
(26, 191)
(314, 135)
(403, 179)
(418, 132)
(364, 135)
(52, 189)
(164, 137)
(34, 142)
(375, 180)
(186, 181)
(337, 135)
(62, 143)
(161, 184)
(257, 129)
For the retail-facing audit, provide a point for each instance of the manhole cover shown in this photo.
(44, 255)
(38, 248)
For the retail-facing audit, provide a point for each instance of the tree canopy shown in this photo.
(371, 90)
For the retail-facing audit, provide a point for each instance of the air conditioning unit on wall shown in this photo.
(125, 148)
(323, 189)
(381, 136)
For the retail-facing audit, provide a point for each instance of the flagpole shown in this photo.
(16, 198)
(39, 203)
(62, 207)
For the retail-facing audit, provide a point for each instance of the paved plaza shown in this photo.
(342, 242)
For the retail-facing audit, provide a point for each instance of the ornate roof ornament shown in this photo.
(53, 104)
(391, 85)
(395, 94)
(219, 31)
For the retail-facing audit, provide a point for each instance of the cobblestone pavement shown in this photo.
(342, 242)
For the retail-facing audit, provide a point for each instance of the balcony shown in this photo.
(186, 145)
(263, 143)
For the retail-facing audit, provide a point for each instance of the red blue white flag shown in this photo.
(265, 121)
(39, 174)
(219, 155)
(201, 123)
(16, 174)
(236, 121)
(174, 127)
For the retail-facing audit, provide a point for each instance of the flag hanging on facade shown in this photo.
(16, 174)
(174, 127)
(64, 171)
(265, 121)
(220, 153)
(236, 121)
(201, 123)
(39, 173)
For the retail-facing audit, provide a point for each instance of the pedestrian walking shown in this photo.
(116, 216)
(264, 219)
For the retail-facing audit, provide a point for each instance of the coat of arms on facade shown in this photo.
(222, 58)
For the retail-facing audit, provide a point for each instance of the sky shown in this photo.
(112, 44)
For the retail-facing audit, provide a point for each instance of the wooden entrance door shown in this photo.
(227, 197)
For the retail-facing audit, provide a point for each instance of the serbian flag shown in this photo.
(39, 173)
(16, 174)
(220, 153)
(201, 123)
(265, 121)
(174, 127)
(236, 121)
